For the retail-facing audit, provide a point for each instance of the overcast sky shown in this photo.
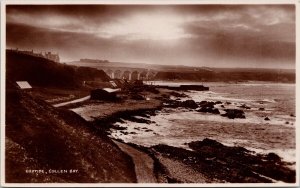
(195, 35)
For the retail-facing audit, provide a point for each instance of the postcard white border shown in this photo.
(141, 2)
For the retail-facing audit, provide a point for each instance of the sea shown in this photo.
(177, 127)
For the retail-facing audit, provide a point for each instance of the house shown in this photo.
(53, 57)
(23, 85)
(102, 94)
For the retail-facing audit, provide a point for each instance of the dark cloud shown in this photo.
(200, 35)
(246, 42)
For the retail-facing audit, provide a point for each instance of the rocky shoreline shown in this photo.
(206, 159)
(216, 163)
(228, 164)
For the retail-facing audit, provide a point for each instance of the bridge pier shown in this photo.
(112, 75)
(138, 75)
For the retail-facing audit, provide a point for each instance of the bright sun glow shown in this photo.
(154, 27)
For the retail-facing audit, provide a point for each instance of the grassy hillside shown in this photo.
(41, 137)
(43, 72)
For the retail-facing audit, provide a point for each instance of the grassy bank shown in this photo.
(41, 137)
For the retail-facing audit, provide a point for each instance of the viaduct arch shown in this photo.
(130, 74)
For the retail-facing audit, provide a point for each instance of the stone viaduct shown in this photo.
(129, 73)
(126, 71)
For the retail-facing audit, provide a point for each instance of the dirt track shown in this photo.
(73, 101)
(143, 163)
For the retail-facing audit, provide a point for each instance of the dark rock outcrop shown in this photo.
(239, 158)
(208, 104)
(231, 164)
(208, 107)
(185, 104)
(234, 113)
(209, 110)
(176, 94)
(245, 106)
(137, 120)
(189, 104)
(218, 102)
(194, 87)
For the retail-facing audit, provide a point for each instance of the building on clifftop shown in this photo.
(53, 57)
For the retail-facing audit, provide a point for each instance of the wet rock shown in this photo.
(245, 106)
(202, 102)
(234, 113)
(218, 102)
(227, 103)
(206, 142)
(176, 94)
(272, 157)
(165, 96)
(194, 87)
(152, 113)
(209, 110)
(240, 159)
(287, 122)
(292, 115)
(186, 104)
(215, 111)
(121, 120)
(137, 120)
(222, 106)
(261, 109)
(145, 115)
(208, 104)
(267, 119)
(123, 132)
(118, 127)
(172, 103)
(189, 104)
(232, 164)
(208, 107)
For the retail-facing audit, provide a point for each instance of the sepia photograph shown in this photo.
(148, 93)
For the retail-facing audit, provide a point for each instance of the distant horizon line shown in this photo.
(190, 66)
(168, 65)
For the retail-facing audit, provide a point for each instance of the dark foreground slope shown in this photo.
(39, 71)
(41, 137)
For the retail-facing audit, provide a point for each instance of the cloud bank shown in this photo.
(194, 35)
